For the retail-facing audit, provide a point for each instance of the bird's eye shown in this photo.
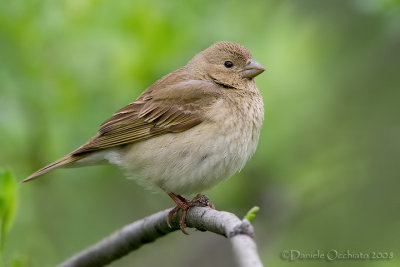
(228, 64)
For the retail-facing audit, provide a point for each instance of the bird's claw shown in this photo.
(184, 204)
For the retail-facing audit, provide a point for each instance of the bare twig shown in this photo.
(131, 237)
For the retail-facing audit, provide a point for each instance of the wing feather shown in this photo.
(154, 113)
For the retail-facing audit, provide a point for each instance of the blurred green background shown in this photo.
(326, 172)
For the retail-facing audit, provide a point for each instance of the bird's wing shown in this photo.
(174, 108)
(159, 110)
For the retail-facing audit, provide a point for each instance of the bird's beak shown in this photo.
(252, 69)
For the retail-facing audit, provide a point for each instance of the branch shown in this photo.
(133, 236)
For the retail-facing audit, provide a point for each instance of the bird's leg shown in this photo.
(181, 203)
(184, 204)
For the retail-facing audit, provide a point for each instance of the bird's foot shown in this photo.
(184, 204)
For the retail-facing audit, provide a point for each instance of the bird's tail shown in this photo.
(56, 164)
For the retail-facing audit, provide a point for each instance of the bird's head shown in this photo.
(228, 64)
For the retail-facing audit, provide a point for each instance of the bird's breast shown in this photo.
(238, 121)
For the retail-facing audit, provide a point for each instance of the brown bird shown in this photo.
(188, 131)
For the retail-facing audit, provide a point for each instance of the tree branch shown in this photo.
(131, 237)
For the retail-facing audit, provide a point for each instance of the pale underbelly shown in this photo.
(187, 162)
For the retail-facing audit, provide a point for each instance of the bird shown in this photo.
(190, 130)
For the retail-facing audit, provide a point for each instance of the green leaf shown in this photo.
(251, 214)
(8, 204)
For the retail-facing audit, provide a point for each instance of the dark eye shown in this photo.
(228, 64)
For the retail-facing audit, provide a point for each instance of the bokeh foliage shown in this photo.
(325, 175)
(8, 205)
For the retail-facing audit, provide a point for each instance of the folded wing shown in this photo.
(159, 110)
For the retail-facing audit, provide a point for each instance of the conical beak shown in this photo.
(252, 69)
